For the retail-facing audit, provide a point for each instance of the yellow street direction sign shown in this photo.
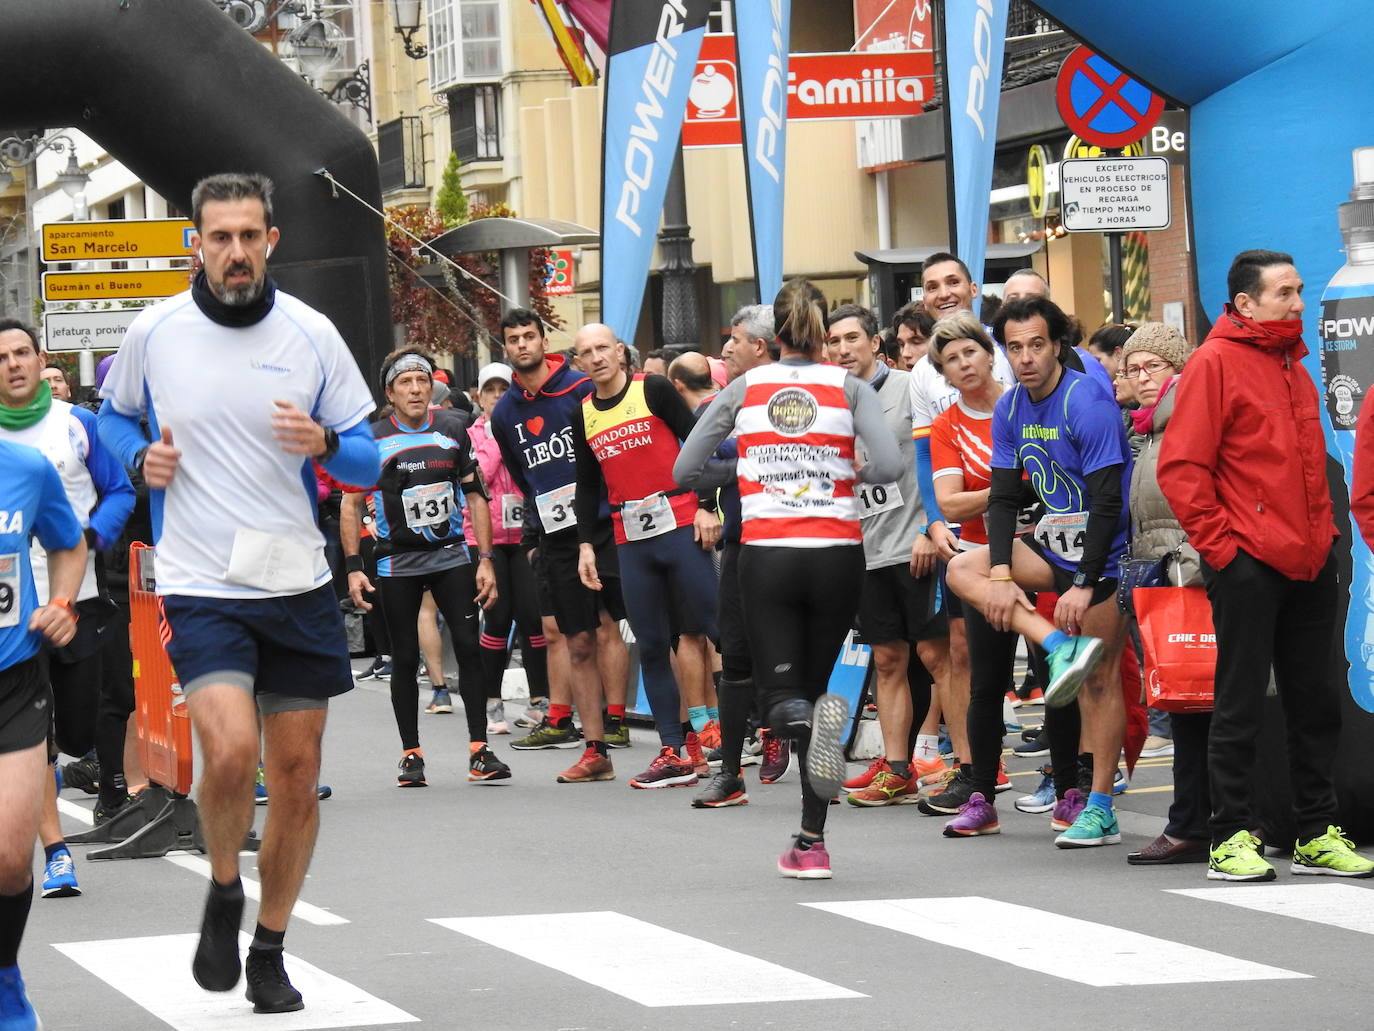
(117, 240)
(92, 286)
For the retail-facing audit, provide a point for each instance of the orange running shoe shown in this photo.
(887, 789)
(862, 780)
(696, 756)
(927, 771)
(710, 735)
(592, 766)
(1003, 781)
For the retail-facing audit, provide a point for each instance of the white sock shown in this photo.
(927, 746)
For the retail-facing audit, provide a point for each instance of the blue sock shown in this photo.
(1054, 640)
(52, 850)
(696, 714)
(1100, 800)
(713, 712)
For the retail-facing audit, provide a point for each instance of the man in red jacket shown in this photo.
(1243, 465)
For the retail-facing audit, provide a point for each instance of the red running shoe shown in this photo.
(669, 770)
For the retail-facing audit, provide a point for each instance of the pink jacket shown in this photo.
(507, 503)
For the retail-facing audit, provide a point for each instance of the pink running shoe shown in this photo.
(976, 816)
(812, 864)
(1067, 810)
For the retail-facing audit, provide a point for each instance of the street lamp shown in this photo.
(407, 24)
(318, 45)
(16, 152)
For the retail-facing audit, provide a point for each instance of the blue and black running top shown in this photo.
(418, 501)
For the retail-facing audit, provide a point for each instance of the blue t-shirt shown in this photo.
(32, 502)
(1058, 442)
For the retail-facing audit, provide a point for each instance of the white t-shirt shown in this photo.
(214, 386)
(931, 393)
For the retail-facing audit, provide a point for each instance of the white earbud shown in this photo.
(200, 253)
(269, 251)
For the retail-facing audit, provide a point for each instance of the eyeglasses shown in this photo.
(1149, 368)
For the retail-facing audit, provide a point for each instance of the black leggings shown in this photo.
(375, 617)
(116, 705)
(517, 600)
(799, 604)
(453, 590)
(992, 657)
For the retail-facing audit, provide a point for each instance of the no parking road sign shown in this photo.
(1102, 104)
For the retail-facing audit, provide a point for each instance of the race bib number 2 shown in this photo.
(9, 590)
(1063, 534)
(647, 517)
(556, 507)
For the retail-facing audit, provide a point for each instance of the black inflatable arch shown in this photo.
(175, 91)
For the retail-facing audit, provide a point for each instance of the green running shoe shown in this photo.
(1070, 665)
(1094, 826)
(1238, 858)
(1331, 854)
(546, 735)
(617, 734)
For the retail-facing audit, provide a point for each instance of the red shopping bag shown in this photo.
(1180, 647)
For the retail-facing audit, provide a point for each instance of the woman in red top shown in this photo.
(961, 456)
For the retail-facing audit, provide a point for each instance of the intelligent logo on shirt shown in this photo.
(1031, 432)
(280, 370)
(792, 411)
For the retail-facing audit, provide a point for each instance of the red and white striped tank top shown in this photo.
(796, 455)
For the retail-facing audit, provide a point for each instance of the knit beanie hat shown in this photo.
(1160, 339)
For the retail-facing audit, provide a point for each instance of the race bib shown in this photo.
(555, 507)
(512, 510)
(877, 497)
(427, 504)
(1063, 534)
(272, 562)
(647, 517)
(9, 590)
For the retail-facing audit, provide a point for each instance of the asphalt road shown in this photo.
(533, 905)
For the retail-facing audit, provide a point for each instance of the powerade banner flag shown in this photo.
(761, 34)
(974, 34)
(649, 68)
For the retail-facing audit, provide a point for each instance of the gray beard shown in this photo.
(240, 297)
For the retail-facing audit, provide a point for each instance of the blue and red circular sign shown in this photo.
(1103, 105)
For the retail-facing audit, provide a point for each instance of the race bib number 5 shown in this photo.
(1063, 534)
(428, 504)
(647, 517)
(555, 507)
(9, 590)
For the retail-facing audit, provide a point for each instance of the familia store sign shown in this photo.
(887, 84)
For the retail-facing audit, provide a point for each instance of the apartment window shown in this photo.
(401, 155)
(474, 118)
(464, 41)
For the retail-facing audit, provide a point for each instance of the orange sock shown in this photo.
(413, 751)
(476, 746)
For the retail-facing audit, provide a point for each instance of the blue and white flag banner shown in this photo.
(762, 29)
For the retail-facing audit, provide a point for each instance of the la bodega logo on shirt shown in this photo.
(279, 370)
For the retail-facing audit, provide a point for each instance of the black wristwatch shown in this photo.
(331, 446)
(1080, 579)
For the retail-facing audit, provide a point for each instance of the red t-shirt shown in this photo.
(961, 445)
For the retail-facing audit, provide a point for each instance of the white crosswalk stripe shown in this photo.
(155, 973)
(1048, 943)
(1334, 904)
(647, 964)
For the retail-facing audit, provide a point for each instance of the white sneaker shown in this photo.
(1156, 747)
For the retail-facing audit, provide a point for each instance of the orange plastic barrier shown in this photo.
(164, 726)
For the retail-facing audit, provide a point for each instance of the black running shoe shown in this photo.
(791, 719)
(83, 773)
(724, 789)
(825, 764)
(216, 965)
(269, 989)
(954, 797)
(412, 767)
(483, 765)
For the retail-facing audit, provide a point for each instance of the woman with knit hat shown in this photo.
(1151, 361)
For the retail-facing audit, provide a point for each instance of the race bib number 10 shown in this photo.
(877, 497)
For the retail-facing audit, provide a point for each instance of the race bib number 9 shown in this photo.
(1063, 534)
(647, 517)
(877, 497)
(9, 590)
(512, 510)
(428, 504)
(556, 507)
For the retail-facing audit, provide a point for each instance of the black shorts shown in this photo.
(291, 652)
(895, 606)
(25, 705)
(1063, 579)
(561, 594)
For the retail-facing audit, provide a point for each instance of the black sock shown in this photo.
(226, 892)
(14, 914)
(564, 723)
(805, 840)
(263, 939)
(687, 729)
(900, 767)
(51, 850)
(600, 746)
